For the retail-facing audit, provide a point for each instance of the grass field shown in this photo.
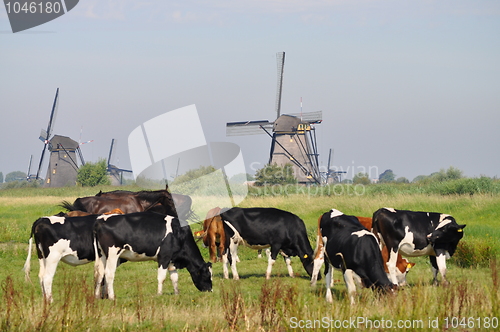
(470, 303)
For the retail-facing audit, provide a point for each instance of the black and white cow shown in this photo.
(145, 236)
(417, 234)
(60, 238)
(350, 247)
(281, 231)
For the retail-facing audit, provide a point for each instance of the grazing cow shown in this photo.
(350, 247)
(145, 236)
(418, 234)
(59, 238)
(260, 228)
(402, 264)
(213, 233)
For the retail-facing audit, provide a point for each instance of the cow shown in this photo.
(349, 246)
(258, 228)
(160, 201)
(60, 238)
(213, 233)
(148, 235)
(414, 233)
(402, 264)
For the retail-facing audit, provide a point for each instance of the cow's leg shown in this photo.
(439, 264)
(233, 248)
(49, 271)
(391, 265)
(162, 275)
(434, 268)
(224, 265)
(288, 262)
(110, 269)
(350, 284)
(212, 248)
(41, 273)
(100, 288)
(319, 259)
(174, 277)
(271, 260)
(329, 283)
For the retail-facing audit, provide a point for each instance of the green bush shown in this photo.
(474, 254)
(274, 174)
(93, 174)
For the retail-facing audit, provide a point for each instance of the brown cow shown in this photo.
(82, 213)
(213, 233)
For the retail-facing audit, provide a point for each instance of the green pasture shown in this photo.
(470, 303)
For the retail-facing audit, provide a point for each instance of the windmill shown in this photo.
(114, 172)
(63, 167)
(293, 135)
(332, 176)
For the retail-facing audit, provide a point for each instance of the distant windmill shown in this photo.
(115, 172)
(63, 166)
(332, 176)
(293, 138)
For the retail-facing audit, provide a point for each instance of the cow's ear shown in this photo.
(461, 228)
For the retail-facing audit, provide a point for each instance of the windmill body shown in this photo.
(63, 167)
(293, 136)
(294, 143)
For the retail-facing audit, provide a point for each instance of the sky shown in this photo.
(411, 86)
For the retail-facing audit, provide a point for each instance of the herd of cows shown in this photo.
(112, 228)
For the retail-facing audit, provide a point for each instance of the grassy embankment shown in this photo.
(253, 303)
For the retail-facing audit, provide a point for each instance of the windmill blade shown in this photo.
(45, 134)
(247, 127)
(280, 58)
(329, 160)
(311, 117)
(29, 168)
(110, 156)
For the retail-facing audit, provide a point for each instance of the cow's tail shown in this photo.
(376, 228)
(27, 264)
(67, 205)
(319, 244)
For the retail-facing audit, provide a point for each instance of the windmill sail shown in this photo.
(45, 134)
(280, 58)
(247, 127)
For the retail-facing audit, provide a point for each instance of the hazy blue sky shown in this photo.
(413, 86)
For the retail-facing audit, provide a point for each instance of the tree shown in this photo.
(93, 174)
(15, 176)
(1, 177)
(193, 174)
(274, 174)
(241, 177)
(387, 176)
(361, 178)
(452, 173)
(420, 178)
(402, 179)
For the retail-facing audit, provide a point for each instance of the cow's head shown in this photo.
(447, 235)
(202, 278)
